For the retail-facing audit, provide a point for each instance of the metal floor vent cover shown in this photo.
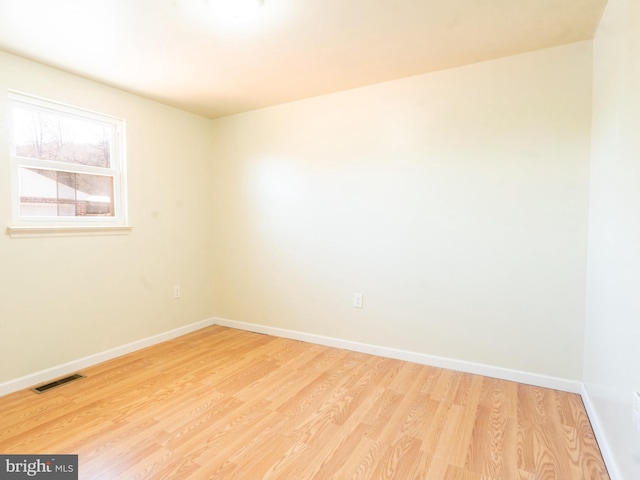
(57, 383)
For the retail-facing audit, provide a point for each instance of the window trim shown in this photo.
(117, 223)
(30, 231)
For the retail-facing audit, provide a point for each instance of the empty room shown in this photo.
(269, 239)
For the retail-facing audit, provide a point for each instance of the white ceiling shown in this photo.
(179, 53)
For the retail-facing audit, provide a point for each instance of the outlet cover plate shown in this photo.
(357, 300)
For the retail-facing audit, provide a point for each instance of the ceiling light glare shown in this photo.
(237, 10)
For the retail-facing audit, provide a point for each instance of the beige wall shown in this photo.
(455, 201)
(612, 350)
(65, 298)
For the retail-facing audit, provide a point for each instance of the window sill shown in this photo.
(67, 231)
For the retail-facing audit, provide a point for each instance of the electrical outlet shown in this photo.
(357, 300)
(176, 291)
(636, 409)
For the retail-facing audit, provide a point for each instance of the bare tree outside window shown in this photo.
(48, 136)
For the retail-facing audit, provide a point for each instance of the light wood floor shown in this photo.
(227, 404)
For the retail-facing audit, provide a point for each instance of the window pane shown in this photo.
(48, 136)
(50, 193)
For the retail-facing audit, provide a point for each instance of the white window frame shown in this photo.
(116, 170)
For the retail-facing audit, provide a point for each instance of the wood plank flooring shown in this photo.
(221, 403)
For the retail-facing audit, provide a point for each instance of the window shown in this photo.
(67, 165)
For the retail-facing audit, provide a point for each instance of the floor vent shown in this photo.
(57, 383)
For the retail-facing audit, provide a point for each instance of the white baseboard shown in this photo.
(596, 425)
(555, 383)
(75, 365)
(421, 358)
